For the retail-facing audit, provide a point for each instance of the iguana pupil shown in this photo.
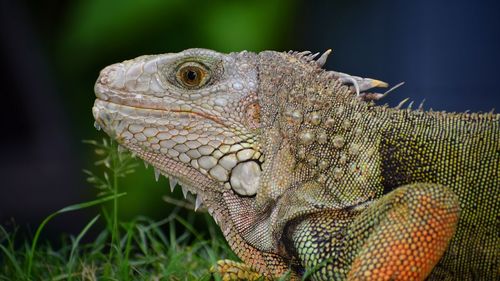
(191, 75)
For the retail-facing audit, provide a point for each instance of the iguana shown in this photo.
(304, 174)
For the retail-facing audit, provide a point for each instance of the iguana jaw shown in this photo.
(116, 120)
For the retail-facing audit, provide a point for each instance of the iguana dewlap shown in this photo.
(304, 174)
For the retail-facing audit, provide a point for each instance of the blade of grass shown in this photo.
(63, 210)
(76, 242)
(12, 260)
(125, 266)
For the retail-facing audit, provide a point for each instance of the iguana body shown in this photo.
(302, 174)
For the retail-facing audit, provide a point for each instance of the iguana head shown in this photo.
(193, 115)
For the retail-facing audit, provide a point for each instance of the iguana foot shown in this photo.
(230, 270)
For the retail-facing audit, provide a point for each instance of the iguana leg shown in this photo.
(399, 237)
(230, 270)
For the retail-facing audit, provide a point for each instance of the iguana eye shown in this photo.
(192, 75)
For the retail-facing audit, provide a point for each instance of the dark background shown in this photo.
(447, 52)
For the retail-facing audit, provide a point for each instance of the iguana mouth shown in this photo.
(139, 101)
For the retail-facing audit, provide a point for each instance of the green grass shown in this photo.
(139, 249)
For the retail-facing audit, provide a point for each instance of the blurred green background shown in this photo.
(52, 51)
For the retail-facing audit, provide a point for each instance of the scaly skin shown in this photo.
(304, 174)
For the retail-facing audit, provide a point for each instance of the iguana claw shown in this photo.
(230, 270)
